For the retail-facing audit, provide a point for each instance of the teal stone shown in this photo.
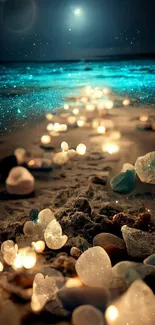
(150, 260)
(123, 182)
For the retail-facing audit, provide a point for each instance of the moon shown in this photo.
(78, 12)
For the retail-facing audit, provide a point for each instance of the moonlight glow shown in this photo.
(78, 12)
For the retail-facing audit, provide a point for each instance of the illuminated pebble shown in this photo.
(84, 100)
(90, 107)
(17, 263)
(60, 158)
(20, 154)
(71, 153)
(80, 123)
(123, 182)
(66, 106)
(1, 267)
(81, 149)
(111, 313)
(20, 181)
(45, 217)
(144, 118)
(145, 168)
(126, 102)
(106, 91)
(29, 228)
(101, 129)
(108, 104)
(44, 290)
(87, 315)
(53, 235)
(61, 128)
(73, 282)
(95, 124)
(116, 135)
(9, 251)
(49, 116)
(111, 148)
(38, 246)
(71, 120)
(94, 267)
(7, 245)
(54, 133)
(75, 111)
(126, 167)
(50, 127)
(46, 139)
(64, 146)
(28, 257)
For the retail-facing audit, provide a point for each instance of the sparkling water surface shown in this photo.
(28, 90)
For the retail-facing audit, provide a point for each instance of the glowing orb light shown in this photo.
(111, 148)
(111, 313)
(46, 139)
(50, 127)
(144, 118)
(101, 129)
(78, 12)
(109, 104)
(64, 146)
(126, 102)
(81, 149)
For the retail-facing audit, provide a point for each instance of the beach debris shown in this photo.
(44, 290)
(87, 315)
(94, 267)
(111, 148)
(145, 168)
(136, 306)
(139, 244)
(78, 295)
(81, 149)
(53, 235)
(123, 182)
(20, 181)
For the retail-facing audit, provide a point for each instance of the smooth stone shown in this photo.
(87, 315)
(20, 181)
(150, 260)
(129, 271)
(74, 297)
(94, 267)
(139, 244)
(123, 182)
(145, 168)
(53, 235)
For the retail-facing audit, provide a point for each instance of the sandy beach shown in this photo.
(79, 201)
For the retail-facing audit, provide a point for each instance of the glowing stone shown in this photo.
(45, 217)
(73, 282)
(60, 158)
(20, 181)
(136, 306)
(64, 146)
(145, 168)
(75, 111)
(111, 148)
(126, 102)
(126, 167)
(44, 289)
(53, 235)
(87, 315)
(84, 100)
(71, 120)
(95, 124)
(39, 246)
(66, 106)
(28, 257)
(45, 139)
(144, 118)
(123, 182)
(20, 154)
(78, 12)
(94, 267)
(17, 263)
(1, 267)
(54, 133)
(9, 251)
(108, 104)
(49, 116)
(101, 129)
(62, 128)
(90, 107)
(80, 123)
(81, 149)
(50, 127)
(106, 91)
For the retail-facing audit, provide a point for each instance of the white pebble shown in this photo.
(87, 315)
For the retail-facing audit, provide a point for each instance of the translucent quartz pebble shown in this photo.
(45, 217)
(44, 290)
(135, 307)
(126, 167)
(20, 181)
(9, 251)
(20, 154)
(94, 267)
(87, 315)
(123, 182)
(60, 158)
(29, 229)
(145, 168)
(139, 244)
(53, 235)
(150, 260)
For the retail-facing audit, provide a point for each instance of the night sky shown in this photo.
(55, 29)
